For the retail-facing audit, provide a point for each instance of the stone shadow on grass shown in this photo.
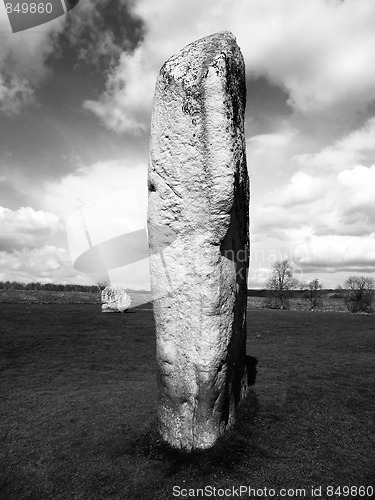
(235, 446)
(251, 367)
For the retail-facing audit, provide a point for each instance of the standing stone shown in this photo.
(199, 240)
(115, 299)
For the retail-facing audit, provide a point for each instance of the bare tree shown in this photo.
(359, 294)
(280, 285)
(313, 293)
(101, 284)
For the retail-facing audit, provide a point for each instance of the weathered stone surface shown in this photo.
(115, 299)
(199, 194)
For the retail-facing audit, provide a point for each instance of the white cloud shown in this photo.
(321, 53)
(258, 277)
(45, 264)
(356, 147)
(337, 252)
(359, 184)
(322, 223)
(337, 203)
(361, 140)
(260, 143)
(294, 206)
(93, 182)
(303, 188)
(268, 158)
(26, 228)
(126, 104)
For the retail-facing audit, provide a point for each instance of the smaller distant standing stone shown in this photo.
(115, 299)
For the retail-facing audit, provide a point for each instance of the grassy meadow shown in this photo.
(78, 398)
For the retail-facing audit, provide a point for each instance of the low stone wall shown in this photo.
(61, 297)
(333, 305)
(48, 297)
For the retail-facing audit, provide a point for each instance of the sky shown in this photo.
(75, 111)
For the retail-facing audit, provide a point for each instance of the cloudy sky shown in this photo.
(75, 108)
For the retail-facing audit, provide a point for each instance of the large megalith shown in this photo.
(199, 239)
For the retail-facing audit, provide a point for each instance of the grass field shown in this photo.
(78, 397)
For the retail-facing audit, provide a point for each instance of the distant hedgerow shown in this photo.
(51, 287)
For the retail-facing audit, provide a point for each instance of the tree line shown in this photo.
(358, 291)
(51, 287)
